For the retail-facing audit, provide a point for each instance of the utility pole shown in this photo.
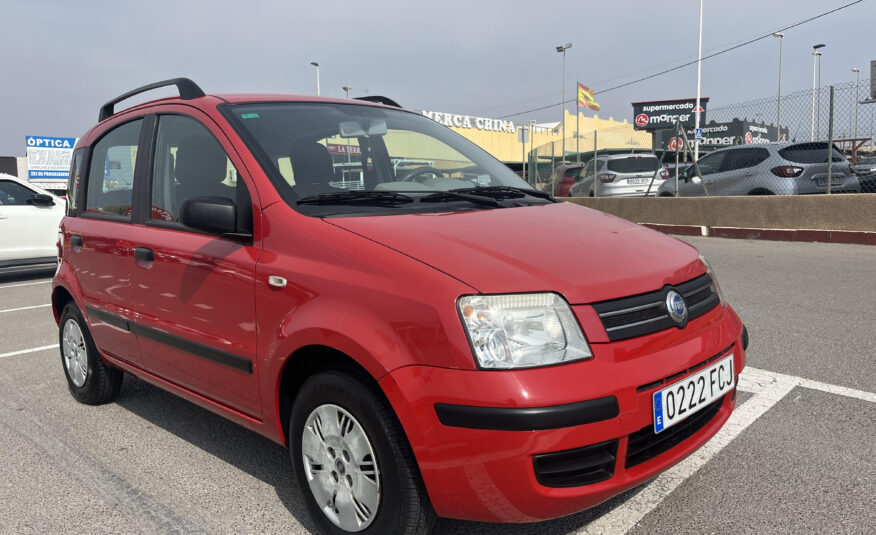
(780, 35)
(699, 80)
(315, 64)
(563, 48)
(815, 54)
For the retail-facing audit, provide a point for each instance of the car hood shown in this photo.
(585, 255)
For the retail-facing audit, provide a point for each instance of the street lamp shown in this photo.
(699, 85)
(815, 55)
(347, 90)
(857, 83)
(562, 49)
(780, 35)
(315, 64)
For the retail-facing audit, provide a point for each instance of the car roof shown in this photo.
(630, 155)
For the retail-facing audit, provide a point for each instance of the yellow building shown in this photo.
(501, 138)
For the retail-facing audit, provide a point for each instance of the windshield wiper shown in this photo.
(460, 194)
(504, 192)
(378, 198)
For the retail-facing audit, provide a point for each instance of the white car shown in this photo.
(29, 220)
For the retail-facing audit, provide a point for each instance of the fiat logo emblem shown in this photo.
(676, 307)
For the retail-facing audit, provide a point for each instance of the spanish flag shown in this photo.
(585, 98)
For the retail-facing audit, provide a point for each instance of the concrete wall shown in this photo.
(825, 212)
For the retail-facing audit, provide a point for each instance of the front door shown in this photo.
(195, 292)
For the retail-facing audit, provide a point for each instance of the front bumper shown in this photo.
(487, 472)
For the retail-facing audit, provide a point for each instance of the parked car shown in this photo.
(620, 175)
(428, 344)
(29, 221)
(778, 168)
(865, 168)
(564, 177)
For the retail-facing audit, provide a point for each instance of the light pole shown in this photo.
(857, 83)
(815, 54)
(780, 35)
(315, 64)
(563, 48)
(347, 90)
(699, 79)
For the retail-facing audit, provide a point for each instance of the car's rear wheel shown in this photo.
(352, 460)
(760, 191)
(90, 380)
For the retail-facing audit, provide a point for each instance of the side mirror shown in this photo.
(213, 215)
(41, 199)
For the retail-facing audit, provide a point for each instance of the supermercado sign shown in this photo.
(735, 132)
(49, 157)
(467, 121)
(659, 114)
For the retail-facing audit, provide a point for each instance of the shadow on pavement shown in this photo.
(239, 447)
(270, 462)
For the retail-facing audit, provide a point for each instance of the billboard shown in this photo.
(717, 135)
(660, 114)
(48, 158)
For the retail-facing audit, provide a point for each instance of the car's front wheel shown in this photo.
(90, 380)
(352, 460)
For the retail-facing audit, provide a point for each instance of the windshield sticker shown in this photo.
(249, 115)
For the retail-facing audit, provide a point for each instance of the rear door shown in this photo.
(97, 241)
(195, 292)
(27, 232)
(737, 173)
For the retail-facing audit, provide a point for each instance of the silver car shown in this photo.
(620, 175)
(782, 168)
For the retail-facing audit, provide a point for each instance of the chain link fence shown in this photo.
(809, 143)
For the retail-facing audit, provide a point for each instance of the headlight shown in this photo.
(522, 330)
(714, 280)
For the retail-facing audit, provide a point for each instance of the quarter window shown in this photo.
(111, 174)
(74, 182)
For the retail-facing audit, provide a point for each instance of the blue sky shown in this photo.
(485, 58)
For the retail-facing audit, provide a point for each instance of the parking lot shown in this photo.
(798, 455)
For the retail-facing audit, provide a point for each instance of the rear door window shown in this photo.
(743, 158)
(810, 153)
(111, 173)
(635, 164)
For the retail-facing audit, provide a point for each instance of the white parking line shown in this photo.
(24, 308)
(24, 284)
(768, 389)
(25, 351)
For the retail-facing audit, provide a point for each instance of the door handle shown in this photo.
(144, 253)
(76, 240)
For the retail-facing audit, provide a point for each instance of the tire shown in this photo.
(666, 194)
(761, 192)
(402, 504)
(90, 380)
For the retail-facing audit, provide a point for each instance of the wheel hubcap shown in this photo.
(75, 353)
(341, 467)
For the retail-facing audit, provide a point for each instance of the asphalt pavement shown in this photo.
(798, 456)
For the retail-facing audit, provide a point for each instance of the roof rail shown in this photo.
(188, 90)
(380, 100)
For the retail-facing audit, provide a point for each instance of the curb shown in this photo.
(802, 235)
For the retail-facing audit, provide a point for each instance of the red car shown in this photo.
(415, 340)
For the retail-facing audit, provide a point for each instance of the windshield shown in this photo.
(633, 164)
(357, 156)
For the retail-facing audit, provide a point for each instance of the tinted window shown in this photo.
(189, 162)
(14, 194)
(809, 153)
(111, 173)
(74, 181)
(708, 164)
(743, 158)
(633, 164)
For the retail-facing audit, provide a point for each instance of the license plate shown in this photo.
(833, 181)
(637, 180)
(690, 395)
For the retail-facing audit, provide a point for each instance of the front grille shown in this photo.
(574, 468)
(644, 444)
(643, 314)
(697, 366)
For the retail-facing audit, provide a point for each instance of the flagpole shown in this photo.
(578, 124)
